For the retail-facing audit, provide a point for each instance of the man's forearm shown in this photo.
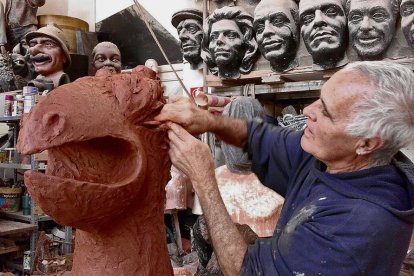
(230, 130)
(227, 241)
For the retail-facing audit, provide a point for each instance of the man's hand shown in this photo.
(190, 155)
(183, 111)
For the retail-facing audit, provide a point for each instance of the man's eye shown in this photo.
(379, 16)
(115, 60)
(32, 44)
(232, 35)
(100, 59)
(308, 18)
(355, 18)
(331, 12)
(259, 28)
(278, 22)
(213, 37)
(193, 29)
(407, 10)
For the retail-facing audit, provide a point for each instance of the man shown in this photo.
(276, 24)
(189, 25)
(21, 19)
(106, 55)
(324, 32)
(49, 53)
(229, 47)
(371, 26)
(348, 196)
(407, 20)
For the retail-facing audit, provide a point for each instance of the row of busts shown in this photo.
(231, 38)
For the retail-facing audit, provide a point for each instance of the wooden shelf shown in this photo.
(8, 249)
(10, 119)
(16, 166)
(8, 227)
(19, 216)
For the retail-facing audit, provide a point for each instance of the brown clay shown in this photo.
(106, 172)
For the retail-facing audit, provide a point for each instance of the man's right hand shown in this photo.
(183, 111)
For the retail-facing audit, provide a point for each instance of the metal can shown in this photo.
(8, 105)
(27, 260)
(29, 102)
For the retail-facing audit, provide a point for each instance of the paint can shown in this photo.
(8, 105)
(27, 259)
(29, 94)
(10, 199)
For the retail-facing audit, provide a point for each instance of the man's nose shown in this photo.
(309, 111)
(183, 34)
(365, 24)
(34, 50)
(268, 29)
(220, 39)
(319, 18)
(107, 61)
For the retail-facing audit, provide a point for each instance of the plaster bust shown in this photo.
(49, 53)
(371, 26)
(324, 32)
(277, 33)
(229, 47)
(407, 20)
(189, 25)
(106, 55)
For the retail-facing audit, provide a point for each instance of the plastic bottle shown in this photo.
(8, 105)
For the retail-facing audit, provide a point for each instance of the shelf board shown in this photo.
(8, 227)
(10, 119)
(9, 249)
(19, 216)
(16, 166)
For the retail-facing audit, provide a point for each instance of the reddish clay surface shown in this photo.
(106, 171)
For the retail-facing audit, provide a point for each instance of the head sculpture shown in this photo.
(371, 26)
(324, 32)
(276, 24)
(229, 47)
(348, 120)
(106, 55)
(246, 108)
(100, 176)
(189, 25)
(49, 50)
(407, 20)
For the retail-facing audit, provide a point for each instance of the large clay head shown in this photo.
(407, 20)
(246, 108)
(49, 50)
(371, 25)
(189, 25)
(103, 163)
(106, 55)
(324, 31)
(229, 47)
(276, 24)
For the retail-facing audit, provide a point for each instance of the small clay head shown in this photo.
(189, 24)
(229, 47)
(371, 26)
(324, 31)
(48, 49)
(276, 24)
(106, 55)
(407, 20)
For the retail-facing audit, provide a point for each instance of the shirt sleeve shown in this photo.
(273, 151)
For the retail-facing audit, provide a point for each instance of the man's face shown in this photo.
(407, 20)
(325, 136)
(371, 25)
(323, 26)
(190, 32)
(226, 43)
(276, 31)
(46, 55)
(107, 57)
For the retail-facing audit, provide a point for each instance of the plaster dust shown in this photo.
(106, 171)
(248, 201)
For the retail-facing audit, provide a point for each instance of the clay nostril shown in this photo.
(53, 123)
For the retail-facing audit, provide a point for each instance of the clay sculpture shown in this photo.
(106, 171)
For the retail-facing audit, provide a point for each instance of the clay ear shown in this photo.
(54, 123)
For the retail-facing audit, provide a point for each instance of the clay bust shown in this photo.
(276, 24)
(371, 26)
(189, 25)
(246, 199)
(106, 171)
(106, 55)
(407, 20)
(324, 32)
(49, 53)
(229, 47)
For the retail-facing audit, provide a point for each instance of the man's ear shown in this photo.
(368, 146)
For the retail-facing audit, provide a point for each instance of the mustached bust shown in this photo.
(371, 25)
(229, 47)
(324, 32)
(277, 33)
(407, 20)
(189, 25)
(49, 53)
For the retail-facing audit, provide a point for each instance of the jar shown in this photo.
(8, 105)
